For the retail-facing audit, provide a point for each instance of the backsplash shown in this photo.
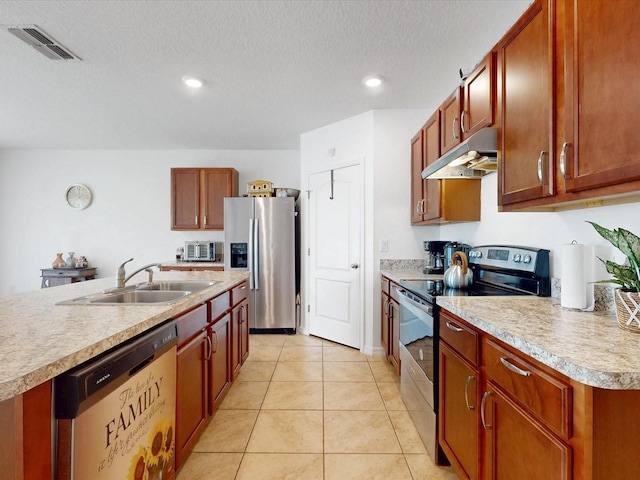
(403, 264)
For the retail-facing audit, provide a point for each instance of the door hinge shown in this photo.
(308, 308)
(308, 194)
(308, 252)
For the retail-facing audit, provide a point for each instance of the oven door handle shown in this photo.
(405, 298)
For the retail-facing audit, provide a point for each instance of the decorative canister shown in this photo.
(70, 261)
(59, 261)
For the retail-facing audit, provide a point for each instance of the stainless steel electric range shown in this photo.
(497, 270)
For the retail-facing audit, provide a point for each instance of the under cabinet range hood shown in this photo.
(473, 158)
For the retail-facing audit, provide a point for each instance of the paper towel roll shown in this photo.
(573, 289)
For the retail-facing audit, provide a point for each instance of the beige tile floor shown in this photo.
(306, 408)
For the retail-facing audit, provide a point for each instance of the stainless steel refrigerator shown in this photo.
(260, 236)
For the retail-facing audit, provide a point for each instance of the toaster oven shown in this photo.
(203, 251)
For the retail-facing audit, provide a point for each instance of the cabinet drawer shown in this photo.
(460, 337)
(545, 396)
(239, 293)
(393, 291)
(191, 322)
(219, 305)
(385, 285)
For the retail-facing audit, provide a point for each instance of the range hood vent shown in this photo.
(42, 42)
(473, 158)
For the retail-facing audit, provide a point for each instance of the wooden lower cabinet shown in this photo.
(239, 336)
(517, 446)
(459, 432)
(390, 322)
(192, 401)
(220, 370)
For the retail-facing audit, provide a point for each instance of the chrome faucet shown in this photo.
(121, 280)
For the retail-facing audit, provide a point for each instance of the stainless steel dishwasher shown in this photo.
(116, 413)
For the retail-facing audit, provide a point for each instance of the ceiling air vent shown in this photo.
(42, 42)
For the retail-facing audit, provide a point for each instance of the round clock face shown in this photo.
(79, 196)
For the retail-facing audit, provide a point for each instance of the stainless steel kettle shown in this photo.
(451, 248)
(458, 275)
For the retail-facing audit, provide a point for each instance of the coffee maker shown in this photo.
(434, 258)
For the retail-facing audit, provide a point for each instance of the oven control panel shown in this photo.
(516, 258)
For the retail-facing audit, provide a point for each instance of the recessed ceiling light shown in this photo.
(192, 82)
(372, 81)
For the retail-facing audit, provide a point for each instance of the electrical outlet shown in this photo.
(384, 246)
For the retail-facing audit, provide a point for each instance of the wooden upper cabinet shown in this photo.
(450, 121)
(525, 83)
(431, 188)
(479, 97)
(417, 159)
(602, 91)
(197, 197)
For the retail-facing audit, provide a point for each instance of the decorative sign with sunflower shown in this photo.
(131, 433)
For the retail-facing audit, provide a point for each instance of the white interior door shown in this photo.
(335, 255)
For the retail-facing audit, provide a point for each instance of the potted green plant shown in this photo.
(627, 297)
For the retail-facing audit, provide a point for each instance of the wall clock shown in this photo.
(79, 196)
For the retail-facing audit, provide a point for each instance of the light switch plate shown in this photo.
(384, 246)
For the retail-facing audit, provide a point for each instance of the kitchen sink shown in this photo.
(129, 297)
(168, 285)
(157, 293)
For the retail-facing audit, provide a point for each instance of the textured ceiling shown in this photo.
(273, 69)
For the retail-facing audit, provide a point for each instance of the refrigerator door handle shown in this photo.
(250, 254)
(256, 254)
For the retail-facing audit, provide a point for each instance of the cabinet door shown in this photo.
(516, 446)
(417, 200)
(525, 83)
(450, 121)
(479, 98)
(431, 188)
(602, 52)
(239, 336)
(192, 397)
(220, 376)
(244, 332)
(384, 323)
(218, 183)
(394, 334)
(185, 198)
(458, 417)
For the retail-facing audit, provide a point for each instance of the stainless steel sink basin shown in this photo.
(129, 297)
(164, 292)
(178, 285)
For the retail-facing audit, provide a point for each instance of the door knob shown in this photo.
(354, 265)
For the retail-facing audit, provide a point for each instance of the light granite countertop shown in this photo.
(181, 263)
(401, 274)
(39, 339)
(585, 346)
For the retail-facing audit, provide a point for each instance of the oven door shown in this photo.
(418, 343)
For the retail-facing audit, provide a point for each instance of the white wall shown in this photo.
(130, 213)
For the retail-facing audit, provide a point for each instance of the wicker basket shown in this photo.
(628, 310)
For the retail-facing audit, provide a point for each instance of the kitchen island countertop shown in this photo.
(588, 347)
(39, 339)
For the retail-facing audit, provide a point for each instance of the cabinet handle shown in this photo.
(482, 408)
(196, 221)
(540, 168)
(389, 310)
(462, 121)
(424, 202)
(513, 368)
(563, 160)
(470, 379)
(451, 326)
(215, 350)
(209, 348)
(204, 220)
(454, 133)
(243, 287)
